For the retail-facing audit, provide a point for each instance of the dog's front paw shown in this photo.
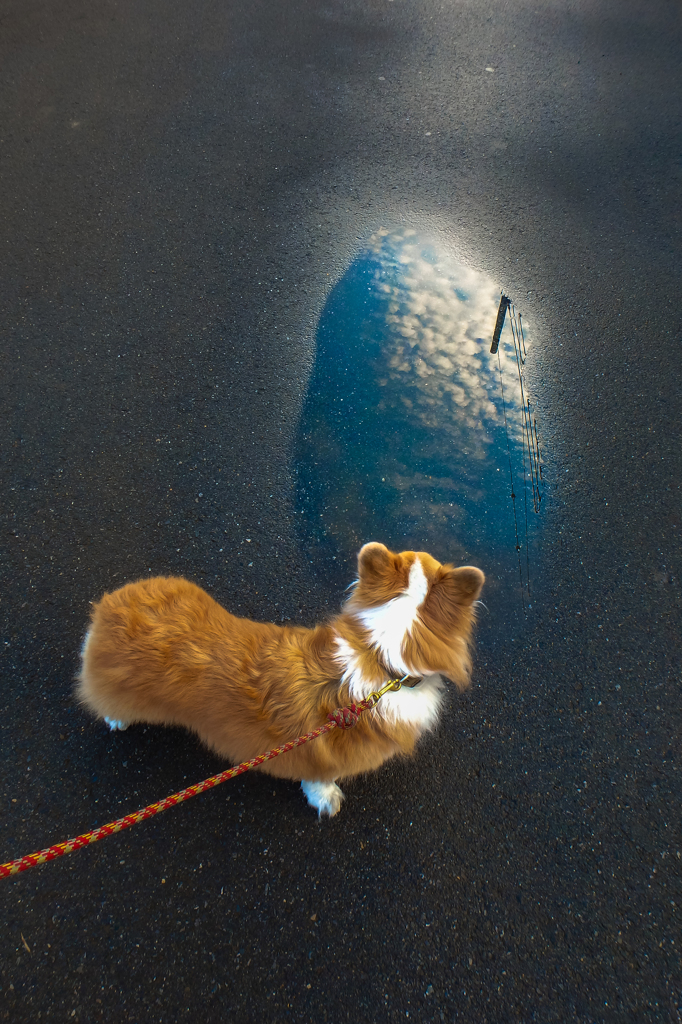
(325, 796)
(116, 725)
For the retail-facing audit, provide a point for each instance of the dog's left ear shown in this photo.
(457, 586)
(373, 559)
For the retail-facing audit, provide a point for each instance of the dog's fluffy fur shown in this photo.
(163, 651)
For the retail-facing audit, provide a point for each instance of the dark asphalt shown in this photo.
(182, 184)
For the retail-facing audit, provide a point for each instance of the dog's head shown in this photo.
(416, 612)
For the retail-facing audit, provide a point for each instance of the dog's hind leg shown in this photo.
(325, 796)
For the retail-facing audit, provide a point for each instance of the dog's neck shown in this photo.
(378, 651)
(390, 673)
(365, 667)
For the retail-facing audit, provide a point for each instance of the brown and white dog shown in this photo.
(163, 651)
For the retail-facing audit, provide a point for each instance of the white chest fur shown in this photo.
(417, 706)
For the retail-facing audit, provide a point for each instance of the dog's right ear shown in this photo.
(373, 559)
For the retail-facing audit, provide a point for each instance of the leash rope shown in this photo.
(341, 718)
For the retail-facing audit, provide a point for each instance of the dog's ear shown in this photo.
(469, 582)
(373, 559)
(456, 586)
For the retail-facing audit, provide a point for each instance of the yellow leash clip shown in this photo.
(376, 695)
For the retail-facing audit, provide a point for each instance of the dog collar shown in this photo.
(407, 680)
(411, 681)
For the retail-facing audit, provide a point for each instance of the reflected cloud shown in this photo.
(440, 315)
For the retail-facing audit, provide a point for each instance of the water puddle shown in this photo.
(412, 432)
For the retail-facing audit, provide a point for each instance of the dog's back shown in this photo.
(150, 646)
(162, 651)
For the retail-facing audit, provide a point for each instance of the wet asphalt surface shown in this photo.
(181, 187)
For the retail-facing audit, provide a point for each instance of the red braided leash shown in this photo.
(342, 718)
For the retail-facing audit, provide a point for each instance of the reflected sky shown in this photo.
(402, 436)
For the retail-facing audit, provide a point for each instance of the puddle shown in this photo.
(404, 435)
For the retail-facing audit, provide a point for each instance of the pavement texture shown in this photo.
(182, 185)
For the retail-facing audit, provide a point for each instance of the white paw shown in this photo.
(116, 725)
(325, 796)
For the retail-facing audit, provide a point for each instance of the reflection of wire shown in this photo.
(537, 449)
(511, 479)
(526, 440)
(530, 435)
(529, 444)
(521, 334)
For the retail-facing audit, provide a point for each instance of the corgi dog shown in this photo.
(163, 651)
